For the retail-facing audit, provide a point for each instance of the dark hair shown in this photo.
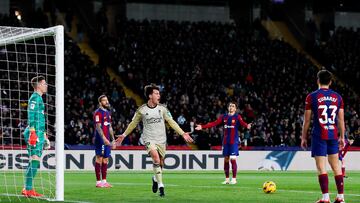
(324, 77)
(101, 97)
(232, 102)
(148, 89)
(35, 80)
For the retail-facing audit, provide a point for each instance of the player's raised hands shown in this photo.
(187, 138)
(120, 139)
(304, 144)
(198, 127)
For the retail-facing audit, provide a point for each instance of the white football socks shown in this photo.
(326, 196)
(341, 196)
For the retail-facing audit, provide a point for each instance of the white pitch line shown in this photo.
(74, 201)
(311, 192)
(41, 198)
(224, 186)
(138, 184)
(221, 187)
(16, 195)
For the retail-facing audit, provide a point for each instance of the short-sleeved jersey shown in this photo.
(231, 125)
(103, 117)
(36, 115)
(153, 120)
(325, 104)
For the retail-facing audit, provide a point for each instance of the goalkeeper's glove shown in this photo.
(33, 139)
(47, 143)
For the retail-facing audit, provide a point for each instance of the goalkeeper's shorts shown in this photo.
(35, 150)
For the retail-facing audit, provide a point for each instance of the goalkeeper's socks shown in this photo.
(158, 173)
(30, 173)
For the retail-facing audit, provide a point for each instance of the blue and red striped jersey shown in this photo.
(231, 125)
(103, 117)
(325, 104)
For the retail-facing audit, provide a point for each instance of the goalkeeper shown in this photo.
(35, 134)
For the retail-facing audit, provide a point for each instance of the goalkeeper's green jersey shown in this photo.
(36, 115)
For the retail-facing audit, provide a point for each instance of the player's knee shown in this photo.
(157, 162)
(98, 159)
(336, 168)
(226, 159)
(321, 169)
(105, 160)
(156, 159)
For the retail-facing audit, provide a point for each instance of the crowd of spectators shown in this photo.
(341, 52)
(84, 83)
(201, 66)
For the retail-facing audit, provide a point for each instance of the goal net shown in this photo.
(26, 53)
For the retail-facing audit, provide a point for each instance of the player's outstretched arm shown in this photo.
(211, 124)
(187, 137)
(120, 139)
(132, 125)
(198, 127)
(243, 123)
(176, 127)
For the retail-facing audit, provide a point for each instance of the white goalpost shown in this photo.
(24, 54)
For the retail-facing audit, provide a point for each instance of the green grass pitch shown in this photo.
(192, 186)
